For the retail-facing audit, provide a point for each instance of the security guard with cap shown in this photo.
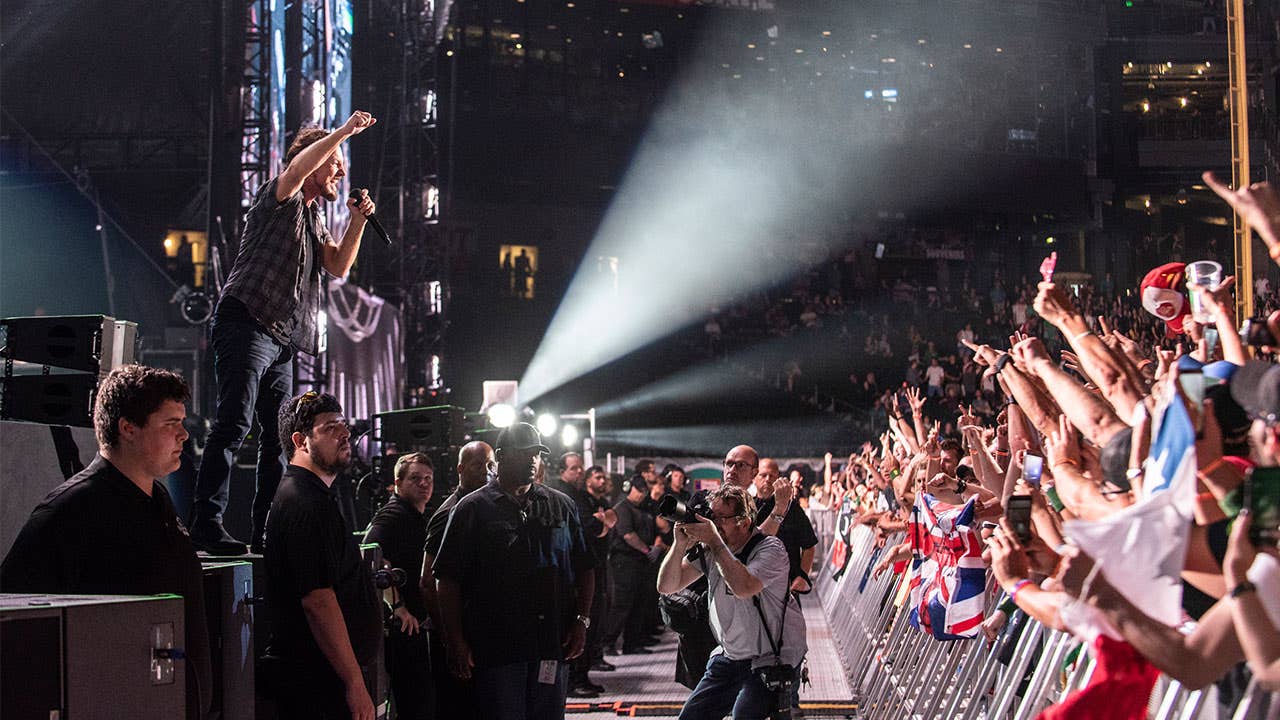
(515, 583)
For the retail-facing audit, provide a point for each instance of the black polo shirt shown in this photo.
(309, 546)
(588, 506)
(99, 534)
(517, 562)
(796, 532)
(401, 531)
(632, 519)
(439, 521)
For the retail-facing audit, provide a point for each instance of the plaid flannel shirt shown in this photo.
(267, 275)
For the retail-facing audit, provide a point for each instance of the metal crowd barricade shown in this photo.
(896, 671)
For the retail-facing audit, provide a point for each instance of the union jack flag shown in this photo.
(948, 577)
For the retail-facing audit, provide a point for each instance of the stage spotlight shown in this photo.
(547, 424)
(502, 415)
(569, 436)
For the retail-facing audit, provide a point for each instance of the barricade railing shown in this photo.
(896, 671)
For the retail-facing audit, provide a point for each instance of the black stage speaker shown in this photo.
(438, 431)
(228, 602)
(63, 399)
(86, 656)
(35, 459)
(184, 362)
(85, 343)
(420, 429)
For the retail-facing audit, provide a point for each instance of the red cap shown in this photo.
(1162, 296)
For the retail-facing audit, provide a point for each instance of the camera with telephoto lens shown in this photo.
(673, 509)
(778, 680)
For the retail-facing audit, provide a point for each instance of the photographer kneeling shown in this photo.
(761, 631)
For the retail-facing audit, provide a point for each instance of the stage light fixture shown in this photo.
(547, 424)
(569, 436)
(502, 415)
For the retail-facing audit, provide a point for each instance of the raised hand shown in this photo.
(1217, 301)
(358, 122)
(1063, 445)
(1053, 304)
(1258, 205)
(1071, 362)
(915, 400)
(1027, 351)
(984, 354)
(1009, 560)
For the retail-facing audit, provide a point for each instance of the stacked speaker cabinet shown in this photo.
(52, 365)
(229, 605)
(85, 656)
(438, 431)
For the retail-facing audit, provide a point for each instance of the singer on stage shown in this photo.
(269, 309)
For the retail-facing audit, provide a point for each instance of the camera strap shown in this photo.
(775, 645)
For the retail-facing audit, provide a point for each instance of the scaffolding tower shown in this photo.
(402, 54)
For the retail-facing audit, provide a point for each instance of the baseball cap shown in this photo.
(1161, 294)
(1115, 458)
(521, 436)
(1256, 388)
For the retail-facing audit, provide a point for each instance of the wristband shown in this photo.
(1244, 587)
(1013, 595)
(1084, 334)
(1064, 461)
(1051, 494)
(1208, 469)
(1004, 360)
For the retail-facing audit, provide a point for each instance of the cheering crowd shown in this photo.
(1111, 473)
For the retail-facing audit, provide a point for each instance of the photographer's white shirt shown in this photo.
(735, 620)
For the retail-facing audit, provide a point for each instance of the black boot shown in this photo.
(211, 537)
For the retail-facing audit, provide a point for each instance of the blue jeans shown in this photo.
(512, 692)
(728, 685)
(255, 376)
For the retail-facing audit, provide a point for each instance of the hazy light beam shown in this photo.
(723, 189)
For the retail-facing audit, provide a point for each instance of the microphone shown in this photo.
(372, 218)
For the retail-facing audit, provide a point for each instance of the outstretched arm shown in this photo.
(315, 154)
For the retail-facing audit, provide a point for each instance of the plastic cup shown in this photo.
(1202, 275)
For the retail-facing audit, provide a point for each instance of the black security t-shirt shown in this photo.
(439, 521)
(400, 530)
(632, 519)
(308, 546)
(517, 561)
(796, 532)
